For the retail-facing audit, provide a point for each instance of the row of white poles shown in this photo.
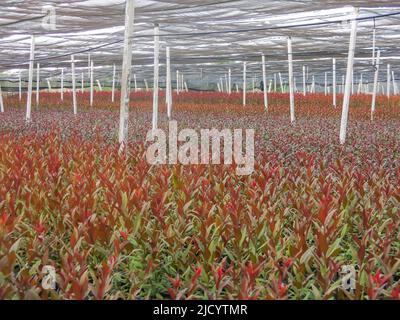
(127, 63)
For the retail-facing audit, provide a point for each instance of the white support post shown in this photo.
(20, 87)
(30, 80)
(334, 81)
(350, 61)
(169, 85)
(49, 84)
(226, 83)
(186, 87)
(37, 84)
(388, 81)
(237, 88)
(270, 86)
(254, 84)
(281, 82)
(146, 85)
(88, 66)
(113, 85)
(74, 101)
(91, 83)
(291, 86)
(274, 82)
(177, 81)
(221, 83)
(1, 101)
(126, 74)
(167, 75)
(373, 44)
(264, 74)
(313, 84)
(99, 85)
(376, 62)
(244, 83)
(62, 85)
(229, 81)
(156, 75)
(304, 81)
(135, 82)
(326, 83)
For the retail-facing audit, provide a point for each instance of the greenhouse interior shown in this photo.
(199, 150)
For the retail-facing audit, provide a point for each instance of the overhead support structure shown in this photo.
(264, 74)
(229, 81)
(1, 101)
(91, 83)
(74, 101)
(169, 85)
(334, 82)
(37, 84)
(291, 82)
(177, 81)
(126, 72)
(62, 85)
(30, 80)
(244, 83)
(388, 81)
(156, 75)
(349, 72)
(113, 85)
(20, 87)
(375, 89)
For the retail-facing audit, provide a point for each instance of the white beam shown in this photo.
(229, 81)
(169, 85)
(388, 81)
(244, 84)
(91, 83)
(1, 101)
(350, 61)
(156, 75)
(30, 80)
(37, 84)
(20, 86)
(334, 81)
(113, 85)
(74, 102)
(377, 62)
(126, 71)
(62, 85)
(291, 86)
(264, 73)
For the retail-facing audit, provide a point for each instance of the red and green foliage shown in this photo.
(115, 227)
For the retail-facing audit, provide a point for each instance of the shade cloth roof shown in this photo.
(206, 37)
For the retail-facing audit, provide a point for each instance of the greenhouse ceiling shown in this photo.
(205, 37)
